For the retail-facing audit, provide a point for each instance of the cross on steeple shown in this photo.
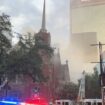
(43, 28)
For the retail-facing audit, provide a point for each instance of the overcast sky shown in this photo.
(27, 16)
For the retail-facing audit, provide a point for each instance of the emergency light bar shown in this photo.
(26, 104)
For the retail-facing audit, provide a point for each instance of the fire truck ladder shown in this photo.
(81, 94)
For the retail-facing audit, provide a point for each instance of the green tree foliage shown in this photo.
(23, 59)
(93, 89)
(69, 91)
(5, 44)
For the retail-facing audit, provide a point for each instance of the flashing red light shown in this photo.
(38, 101)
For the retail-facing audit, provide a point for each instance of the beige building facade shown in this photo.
(88, 16)
(87, 24)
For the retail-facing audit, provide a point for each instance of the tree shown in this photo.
(69, 91)
(5, 44)
(93, 89)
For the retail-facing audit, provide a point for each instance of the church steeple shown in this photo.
(43, 28)
(44, 37)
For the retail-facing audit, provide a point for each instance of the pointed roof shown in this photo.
(43, 28)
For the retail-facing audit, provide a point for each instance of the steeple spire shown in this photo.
(43, 28)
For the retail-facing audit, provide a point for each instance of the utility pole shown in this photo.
(102, 74)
